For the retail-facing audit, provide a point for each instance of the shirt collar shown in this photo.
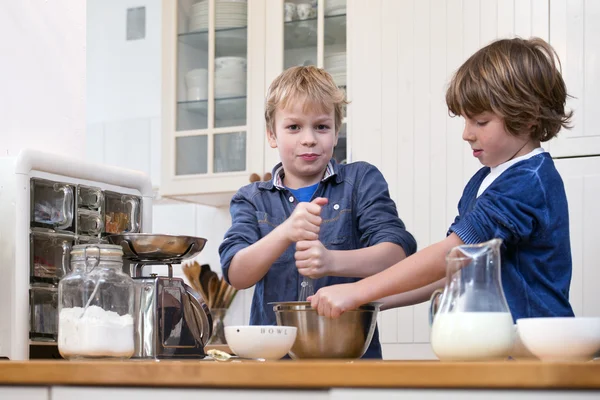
(497, 170)
(278, 174)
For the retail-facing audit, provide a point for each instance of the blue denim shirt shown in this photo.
(360, 213)
(526, 207)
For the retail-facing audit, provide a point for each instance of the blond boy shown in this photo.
(316, 218)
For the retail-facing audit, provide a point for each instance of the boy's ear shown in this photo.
(272, 139)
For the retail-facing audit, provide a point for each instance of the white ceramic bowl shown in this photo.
(196, 77)
(519, 351)
(197, 93)
(230, 62)
(561, 339)
(260, 341)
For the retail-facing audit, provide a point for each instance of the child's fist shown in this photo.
(312, 259)
(305, 221)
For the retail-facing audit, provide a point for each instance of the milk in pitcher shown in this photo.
(472, 336)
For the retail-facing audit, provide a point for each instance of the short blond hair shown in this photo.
(517, 79)
(313, 85)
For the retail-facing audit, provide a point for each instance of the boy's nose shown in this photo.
(308, 138)
(467, 135)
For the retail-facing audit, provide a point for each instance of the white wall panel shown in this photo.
(471, 42)
(523, 18)
(506, 21)
(488, 21)
(591, 253)
(390, 115)
(540, 19)
(438, 111)
(574, 186)
(582, 184)
(455, 146)
(365, 134)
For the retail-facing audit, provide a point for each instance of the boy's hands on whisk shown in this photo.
(313, 259)
(305, 221)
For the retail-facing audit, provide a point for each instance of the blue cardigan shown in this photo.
(526, 207)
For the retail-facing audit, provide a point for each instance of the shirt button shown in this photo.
(336, 207)
(291, 199)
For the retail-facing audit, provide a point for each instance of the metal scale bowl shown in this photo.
(172, 320)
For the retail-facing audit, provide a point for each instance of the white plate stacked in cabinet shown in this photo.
(335, 7)
(228, 14)
(335, 64)
(230, 80)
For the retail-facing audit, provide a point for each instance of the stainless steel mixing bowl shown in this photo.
(348, 336)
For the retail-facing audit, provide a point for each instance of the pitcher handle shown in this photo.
(434, 304)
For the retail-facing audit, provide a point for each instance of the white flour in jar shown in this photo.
(99, 333)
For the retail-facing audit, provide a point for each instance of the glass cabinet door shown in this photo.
(315, 34)
(211, 82)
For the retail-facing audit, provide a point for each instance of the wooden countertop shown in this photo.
(290, 374)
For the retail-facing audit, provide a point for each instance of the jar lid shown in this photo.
(105, 252)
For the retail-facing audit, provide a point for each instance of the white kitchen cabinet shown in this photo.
(436, 394)
(24, 393)
(575, 34)
(213, 129)
(73, 393)
(211, 146)
(582, 184)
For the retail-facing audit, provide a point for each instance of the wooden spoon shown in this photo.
(220, 297)
(213, 287)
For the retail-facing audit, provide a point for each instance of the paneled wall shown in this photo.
(405, 53)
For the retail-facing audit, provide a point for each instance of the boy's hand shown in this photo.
(305, 221)
(313, 259)
(333, 301)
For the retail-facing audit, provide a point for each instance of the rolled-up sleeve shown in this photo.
(377, 216)
(243, 232)
(508, 210)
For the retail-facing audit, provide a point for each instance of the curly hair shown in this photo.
(518, 80)
(310, 84)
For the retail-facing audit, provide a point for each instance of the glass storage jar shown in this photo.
(96, 305)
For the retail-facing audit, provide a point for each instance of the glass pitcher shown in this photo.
(473, 321)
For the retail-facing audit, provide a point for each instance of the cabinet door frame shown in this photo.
(275, 53)
(575, 39)
(212, 188)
